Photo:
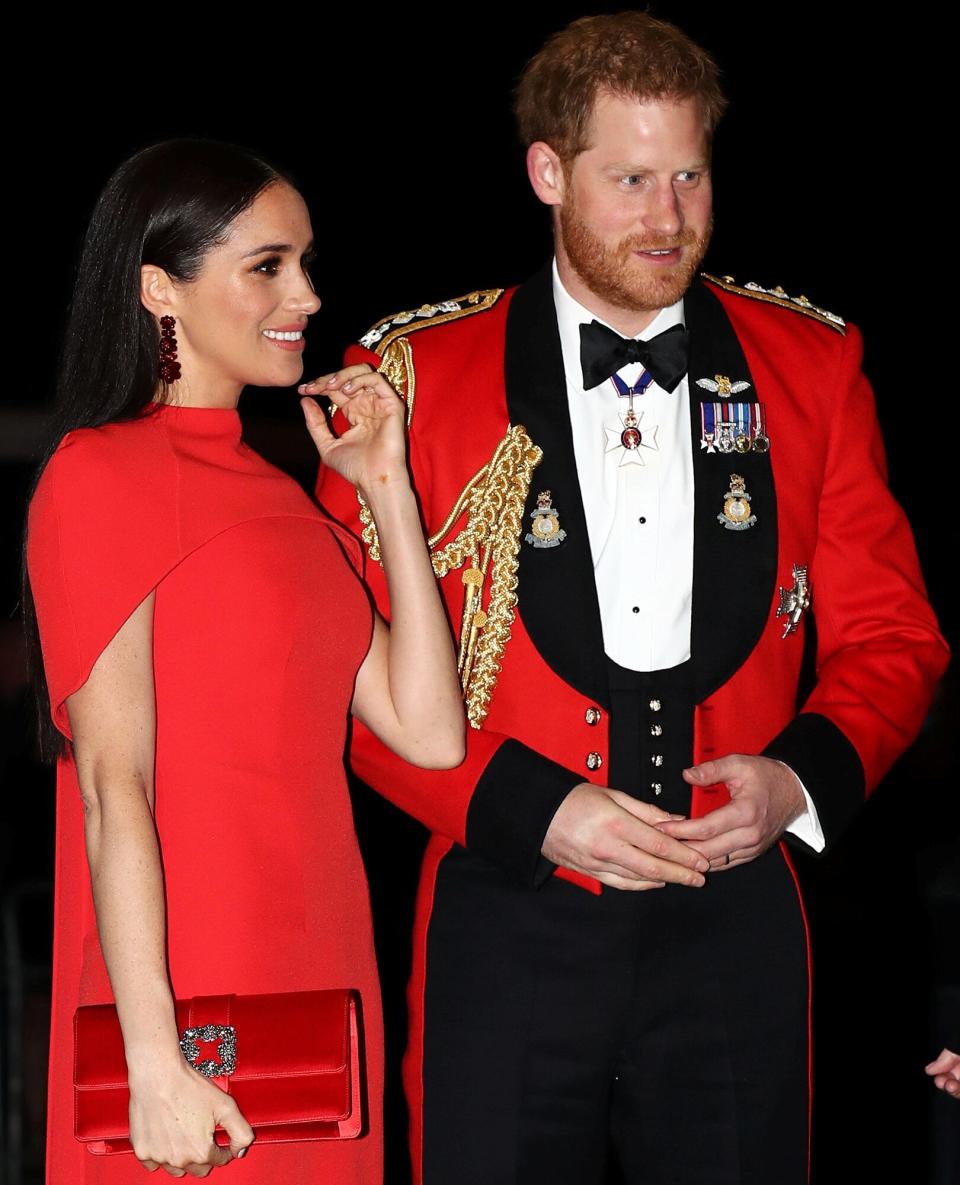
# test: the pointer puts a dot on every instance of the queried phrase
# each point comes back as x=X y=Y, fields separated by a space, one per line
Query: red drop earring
x=169 y=366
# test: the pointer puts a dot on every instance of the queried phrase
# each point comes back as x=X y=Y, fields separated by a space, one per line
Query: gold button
x=594 y=761
x=593 y=715
x=656 y=730
x=655 y=705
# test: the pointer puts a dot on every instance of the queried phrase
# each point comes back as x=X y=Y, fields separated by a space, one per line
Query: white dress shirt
x=639 y=515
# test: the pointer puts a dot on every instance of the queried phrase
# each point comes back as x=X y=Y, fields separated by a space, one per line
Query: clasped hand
x=765 y=798
x=371 y=453
x=634 y=845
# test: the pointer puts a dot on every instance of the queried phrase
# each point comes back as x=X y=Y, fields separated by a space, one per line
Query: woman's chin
x=278 y=376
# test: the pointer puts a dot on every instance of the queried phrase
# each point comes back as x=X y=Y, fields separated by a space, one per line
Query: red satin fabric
x=296 y=1075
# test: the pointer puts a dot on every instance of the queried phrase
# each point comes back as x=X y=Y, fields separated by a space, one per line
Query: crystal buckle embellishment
x=226 y=1038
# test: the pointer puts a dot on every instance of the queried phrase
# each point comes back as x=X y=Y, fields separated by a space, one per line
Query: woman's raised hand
x=372 y=451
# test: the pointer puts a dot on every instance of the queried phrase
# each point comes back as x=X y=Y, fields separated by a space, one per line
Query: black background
x=831 y=177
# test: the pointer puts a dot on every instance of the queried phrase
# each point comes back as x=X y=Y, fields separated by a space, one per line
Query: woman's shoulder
x=116 y=448
x=106 y=478
x=104 y=463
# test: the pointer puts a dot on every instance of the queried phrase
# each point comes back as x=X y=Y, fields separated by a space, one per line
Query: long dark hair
x=168 y=205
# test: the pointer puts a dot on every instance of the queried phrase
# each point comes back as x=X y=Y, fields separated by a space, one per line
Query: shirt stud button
x=657 y=788
x=655 y=705
x=656 y=759
x=656 y=730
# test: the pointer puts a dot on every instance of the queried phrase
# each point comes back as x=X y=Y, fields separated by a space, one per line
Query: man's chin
x=654 y=293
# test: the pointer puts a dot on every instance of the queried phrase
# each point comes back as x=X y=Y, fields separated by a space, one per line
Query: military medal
x=630 y=438
x=545 y=531
x=736 y=515
x=794 y=602
x=733 y=427
x=708 y=426
x=741 y=418
x=761 y=442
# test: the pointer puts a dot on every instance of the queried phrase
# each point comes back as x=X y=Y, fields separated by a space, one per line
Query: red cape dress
x=261 y=622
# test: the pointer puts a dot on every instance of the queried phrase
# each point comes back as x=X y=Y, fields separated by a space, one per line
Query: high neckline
x=209 y=422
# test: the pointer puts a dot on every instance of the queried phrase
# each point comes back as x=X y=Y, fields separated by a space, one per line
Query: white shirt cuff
x=806 y=827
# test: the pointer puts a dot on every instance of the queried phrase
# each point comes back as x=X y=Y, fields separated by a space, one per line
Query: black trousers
x=658 y=1038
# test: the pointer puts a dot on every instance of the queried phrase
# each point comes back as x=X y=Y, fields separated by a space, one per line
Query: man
x=610 y=957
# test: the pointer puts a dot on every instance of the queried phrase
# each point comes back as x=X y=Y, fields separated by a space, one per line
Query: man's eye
x=688 y=177
x=632 y=180
x=268 y=267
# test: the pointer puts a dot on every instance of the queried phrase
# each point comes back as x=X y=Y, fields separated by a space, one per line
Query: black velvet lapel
x=733 y=571
x=557 y=592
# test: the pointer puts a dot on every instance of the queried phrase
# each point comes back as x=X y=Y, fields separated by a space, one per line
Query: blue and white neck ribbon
x=639 y=387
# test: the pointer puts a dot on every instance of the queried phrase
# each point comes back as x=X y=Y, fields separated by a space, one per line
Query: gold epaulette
x=390 y=337
x=400 y=324
x=798 y=304
x=487 y=548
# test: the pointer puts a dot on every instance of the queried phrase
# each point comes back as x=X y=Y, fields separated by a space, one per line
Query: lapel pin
x=545 y=530
x=721 y=385
x=795 y=601
x=737 y=515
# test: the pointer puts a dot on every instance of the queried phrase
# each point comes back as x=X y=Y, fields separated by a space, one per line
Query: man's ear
x=546 y=173
x=157 y=291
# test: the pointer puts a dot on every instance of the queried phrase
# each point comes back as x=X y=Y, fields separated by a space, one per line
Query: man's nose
x=663 y=214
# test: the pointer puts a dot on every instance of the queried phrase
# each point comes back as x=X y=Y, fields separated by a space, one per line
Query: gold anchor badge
x=545 y=530
x=736 y=515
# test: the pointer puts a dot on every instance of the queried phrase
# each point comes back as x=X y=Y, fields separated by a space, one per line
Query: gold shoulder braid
x=400 y=324
x=798 y=304
x=397 y=367
x=489 y=543
x=389 y=337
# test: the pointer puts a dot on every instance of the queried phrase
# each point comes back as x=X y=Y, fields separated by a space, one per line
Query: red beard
x=618 y=277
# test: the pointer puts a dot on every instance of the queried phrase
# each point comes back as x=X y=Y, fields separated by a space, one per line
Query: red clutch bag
x=290 y=1060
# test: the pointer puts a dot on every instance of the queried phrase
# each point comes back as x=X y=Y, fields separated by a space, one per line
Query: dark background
x=831 y=179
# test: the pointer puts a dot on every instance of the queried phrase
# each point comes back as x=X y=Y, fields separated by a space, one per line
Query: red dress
x=260 y=625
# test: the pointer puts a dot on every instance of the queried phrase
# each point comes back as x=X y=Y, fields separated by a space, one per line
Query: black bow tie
x=603 y=352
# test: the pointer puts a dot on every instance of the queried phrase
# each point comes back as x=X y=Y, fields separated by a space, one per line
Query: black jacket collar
x=733 y=572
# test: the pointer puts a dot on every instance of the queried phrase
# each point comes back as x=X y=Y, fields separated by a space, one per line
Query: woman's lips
x=286 y=337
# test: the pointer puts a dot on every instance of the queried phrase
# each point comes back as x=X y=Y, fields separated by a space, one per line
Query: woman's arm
x=173 y=1109
x=407 y=690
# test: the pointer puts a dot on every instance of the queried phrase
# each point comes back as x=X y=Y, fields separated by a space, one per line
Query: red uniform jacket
x=489 y=430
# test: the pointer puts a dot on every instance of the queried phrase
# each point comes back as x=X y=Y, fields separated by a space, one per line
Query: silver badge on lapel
x=545 y=531
x=736 y=514
x=721 y=385
x=794 y=602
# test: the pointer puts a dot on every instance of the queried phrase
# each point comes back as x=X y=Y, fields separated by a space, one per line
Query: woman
x=204 y=634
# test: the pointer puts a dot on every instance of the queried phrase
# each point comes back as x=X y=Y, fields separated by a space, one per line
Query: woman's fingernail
x=348 y=385
x=332 y=379
x=241 y=1154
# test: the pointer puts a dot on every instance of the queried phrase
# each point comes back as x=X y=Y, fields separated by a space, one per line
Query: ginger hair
x=629 y=54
